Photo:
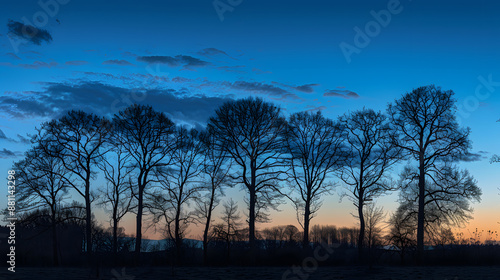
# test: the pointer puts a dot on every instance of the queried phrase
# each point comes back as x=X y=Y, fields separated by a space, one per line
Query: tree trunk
x=207 y=227
x=307 y=213
x=138 y=235
x=252 y=256
x=55 y=255
x=178 y=240
x=115 y=235
x=421 y=215
x=361 y=193
x=251 y=216
x=88 y=219
x=228 y=253
x=361 y=237
x=251 y=220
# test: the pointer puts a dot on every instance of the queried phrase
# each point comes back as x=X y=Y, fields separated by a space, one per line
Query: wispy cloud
x=2 y=135
x=13 y=56
x=186 y=61
x=260 y=71
x=259 y=88
x=120 y=62
x=23 y=139
x=233 y=69
x=102 y=99
x=307 y=88
x=20 y=138
x=4 y=153
x=313 y=109
x=347 y=94
x=76 y=62
x=209 y=52
x=38 y=65
x=471 y=157
x=28 y=32
x=33 y=55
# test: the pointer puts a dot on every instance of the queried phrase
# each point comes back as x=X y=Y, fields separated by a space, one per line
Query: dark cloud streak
x=104 y=99
x=256 y=87
x=347 y=94
x=4 y=154
x=209 y=52
x=76 y=62
x=119 y=62
x=28 y=32
x=308 y=88
x=188 y=62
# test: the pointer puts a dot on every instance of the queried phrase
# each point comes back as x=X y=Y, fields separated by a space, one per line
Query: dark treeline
x=171 y=177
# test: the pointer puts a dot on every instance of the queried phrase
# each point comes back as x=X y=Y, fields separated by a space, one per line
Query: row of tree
x=153 y=167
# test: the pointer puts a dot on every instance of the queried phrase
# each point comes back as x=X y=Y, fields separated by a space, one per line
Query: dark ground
x=229 y=273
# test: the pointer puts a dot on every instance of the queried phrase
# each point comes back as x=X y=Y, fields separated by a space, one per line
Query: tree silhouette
x=314 y=144
x=228 y=230
x=116 y=169
x=41 y=184
x=76 y=139
x=374 y=217
x=402 y=233
x=425 y=127
x=370 y=155
x=179 y=184
x=447 y=196
x=274 y=234
x=251 y=131
x=216 y=167
x=445 y=236
x=291 y=233
x=147 y=136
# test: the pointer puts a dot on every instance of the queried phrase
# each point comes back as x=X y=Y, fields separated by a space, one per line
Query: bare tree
x=275 y=234
x=179 y=183
x=147 y=136
x=216 y=166
x=374 y=216
x=251 y=131
x=447 y=196
x=41 y=183
x=116 y=169
x=314 y=144
x=228 y=230
x=444 y=237
x=370 y=155
x=76 y=140
x=324 y=234
x=291 y=233
x=425 y=127
x=402 y=233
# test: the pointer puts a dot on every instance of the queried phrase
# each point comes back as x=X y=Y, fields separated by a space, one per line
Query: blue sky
x=186 y=58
